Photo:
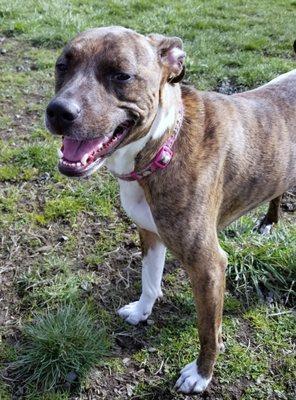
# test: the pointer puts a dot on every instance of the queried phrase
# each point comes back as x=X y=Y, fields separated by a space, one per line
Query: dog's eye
x=121 y=77
x=62 y=67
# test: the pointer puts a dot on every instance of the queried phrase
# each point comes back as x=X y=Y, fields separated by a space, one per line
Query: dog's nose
x=62 y=111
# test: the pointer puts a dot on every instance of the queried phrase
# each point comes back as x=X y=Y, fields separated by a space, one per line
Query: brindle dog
x=117 y=102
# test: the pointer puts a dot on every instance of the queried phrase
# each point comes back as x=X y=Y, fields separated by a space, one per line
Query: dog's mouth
x=83 y=157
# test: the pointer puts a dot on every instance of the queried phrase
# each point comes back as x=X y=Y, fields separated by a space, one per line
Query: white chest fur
x=135 y=205
x=122 y=161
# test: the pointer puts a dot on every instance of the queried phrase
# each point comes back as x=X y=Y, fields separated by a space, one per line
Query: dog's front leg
x=207 y=275
x=153 y=252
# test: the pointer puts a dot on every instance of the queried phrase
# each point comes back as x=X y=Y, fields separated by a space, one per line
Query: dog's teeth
x=84 y=159
x=78 y=164
x=60 y=153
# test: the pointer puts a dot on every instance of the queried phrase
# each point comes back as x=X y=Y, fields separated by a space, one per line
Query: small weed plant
x=59 y=349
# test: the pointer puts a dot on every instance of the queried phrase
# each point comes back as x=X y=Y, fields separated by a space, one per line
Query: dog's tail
x=294 y=46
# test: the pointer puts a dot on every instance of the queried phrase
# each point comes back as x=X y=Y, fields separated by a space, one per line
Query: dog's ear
x=171 y=55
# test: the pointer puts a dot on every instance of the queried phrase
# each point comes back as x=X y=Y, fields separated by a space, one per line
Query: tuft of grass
x=261 y=265
x=59 y=349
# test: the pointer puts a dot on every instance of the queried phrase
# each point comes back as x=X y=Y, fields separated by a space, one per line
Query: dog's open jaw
x=81 y=157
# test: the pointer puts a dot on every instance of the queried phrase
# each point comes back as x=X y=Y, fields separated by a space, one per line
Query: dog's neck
x=123 y=160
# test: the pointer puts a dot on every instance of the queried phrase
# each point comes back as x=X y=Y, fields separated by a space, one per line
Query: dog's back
x=258 y=143
x=272 y=108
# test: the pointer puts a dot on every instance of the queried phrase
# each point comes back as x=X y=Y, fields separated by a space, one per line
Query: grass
x=245 y=370
x=59 y=349
x=68 y=242
x=40 y=285
x=242 y=43
x=260 y=264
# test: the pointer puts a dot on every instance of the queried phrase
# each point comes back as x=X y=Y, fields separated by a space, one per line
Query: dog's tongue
x=74 y=150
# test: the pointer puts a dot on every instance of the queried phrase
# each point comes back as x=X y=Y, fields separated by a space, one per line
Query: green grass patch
x=40 y=156
x=27 y=162
x=273 y=328
x=9 y=200
x=97 y=197
x=248 y=33
x=52 y=281
x=65 y=207
x=14 y=173
x=59 y=350
x=259 y=352
x=264 y=265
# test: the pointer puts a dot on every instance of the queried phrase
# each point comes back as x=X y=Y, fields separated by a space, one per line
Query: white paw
x=191 y=381
x=134 y=313
x=222 y=347
x=265 y=229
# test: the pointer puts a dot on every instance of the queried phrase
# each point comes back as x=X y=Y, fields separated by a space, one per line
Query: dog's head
x=109 y=83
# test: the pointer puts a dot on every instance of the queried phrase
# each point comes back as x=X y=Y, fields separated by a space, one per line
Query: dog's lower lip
x=102 y=148
x=78 y=171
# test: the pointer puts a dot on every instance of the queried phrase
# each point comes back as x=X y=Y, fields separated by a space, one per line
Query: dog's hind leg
x=271 y=217
x=207 y=275
x=153 y=252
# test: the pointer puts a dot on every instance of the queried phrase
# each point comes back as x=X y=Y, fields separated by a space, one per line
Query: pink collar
x=162 y=158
